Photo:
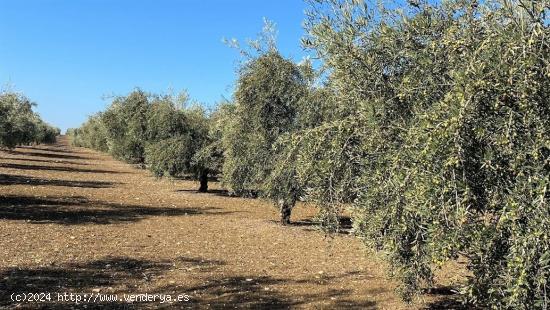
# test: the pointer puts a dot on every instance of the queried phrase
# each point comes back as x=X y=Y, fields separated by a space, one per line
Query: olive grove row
x=19 y=124
x=430 y=123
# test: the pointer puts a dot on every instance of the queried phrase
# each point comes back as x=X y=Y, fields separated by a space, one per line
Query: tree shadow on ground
x=119 y=275
x=81 y=211
x=53 y=161
x=56 y=168
x=262 y=293
x=448 y=303
x=105 y=272
x=109 y=276
x=40 y=154
x=6 y=179
x=345 y=224
x=447 y=298
x=225 y=193
x=211 y=192
x=193 y=177
x=50 y=148
x=238 y=292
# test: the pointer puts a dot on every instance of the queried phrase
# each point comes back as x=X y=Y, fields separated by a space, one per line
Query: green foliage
x=268 y=92
x=286 y=183
x=431 y=122
x=46 y=133
x=164 y=119
x=211 y=155
x=171 y=156
x=439 y=135
x=157 y=132
x=126 y=126
x=176 y=136
x=92 y=134
x=19 y=124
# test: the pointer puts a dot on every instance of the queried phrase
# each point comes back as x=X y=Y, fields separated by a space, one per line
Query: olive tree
x=440 y=137
x=175 y=136
x=92 y=134
x=283 y=184
x=125 y=122
x=158 y=132
x=210 y=156
x=268 y=92
x=19 y=124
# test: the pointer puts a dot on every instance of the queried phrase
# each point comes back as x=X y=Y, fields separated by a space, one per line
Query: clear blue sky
x=66 y=54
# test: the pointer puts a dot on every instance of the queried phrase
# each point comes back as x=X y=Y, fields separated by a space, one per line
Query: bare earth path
x=74 y=220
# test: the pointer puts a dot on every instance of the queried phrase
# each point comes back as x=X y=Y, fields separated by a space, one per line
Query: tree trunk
x=286 y=209
x=203 y=178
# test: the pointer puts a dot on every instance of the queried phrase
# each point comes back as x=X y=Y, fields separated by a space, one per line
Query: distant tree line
x=159 y=132
x=20 y=125
x=430 y=123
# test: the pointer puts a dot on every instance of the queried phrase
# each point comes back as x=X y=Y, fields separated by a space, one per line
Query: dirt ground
x=75 y=220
